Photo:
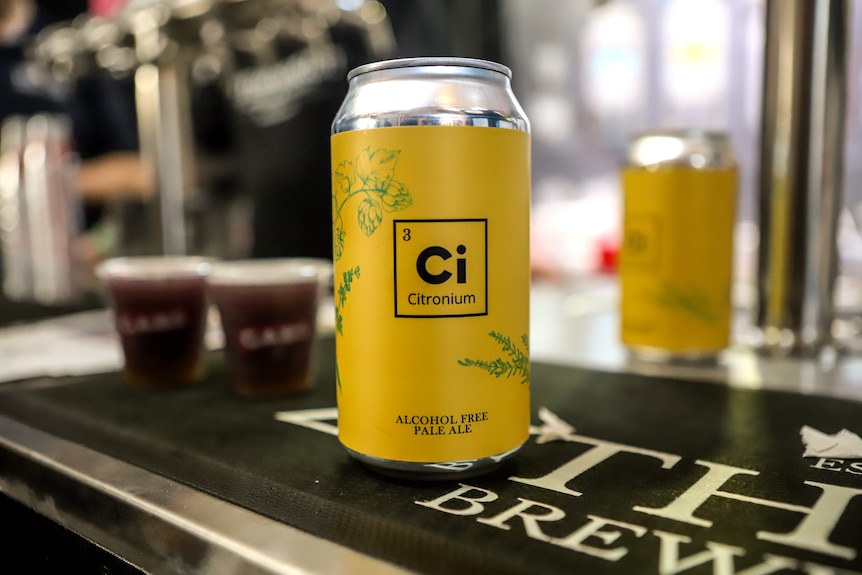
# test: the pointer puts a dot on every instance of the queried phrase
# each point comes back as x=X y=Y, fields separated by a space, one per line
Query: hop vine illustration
x=516 y=365
x=372 y=177
x=343 y=289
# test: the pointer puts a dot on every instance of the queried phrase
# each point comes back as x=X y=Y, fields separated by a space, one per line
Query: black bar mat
x=657 y=476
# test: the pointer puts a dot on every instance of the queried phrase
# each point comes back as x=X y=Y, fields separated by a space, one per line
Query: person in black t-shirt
x=281 y=102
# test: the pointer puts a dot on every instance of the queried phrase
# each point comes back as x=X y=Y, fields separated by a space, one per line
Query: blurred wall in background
x=591 y=73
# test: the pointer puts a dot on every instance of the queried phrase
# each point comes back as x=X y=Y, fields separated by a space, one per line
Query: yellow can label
x=432 y=279
x=676 y=258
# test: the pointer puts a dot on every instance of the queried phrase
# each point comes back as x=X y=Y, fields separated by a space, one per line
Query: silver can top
x=430 y=92
x=685 y=148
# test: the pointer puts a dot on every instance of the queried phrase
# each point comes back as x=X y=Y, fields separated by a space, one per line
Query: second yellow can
x=676 y=261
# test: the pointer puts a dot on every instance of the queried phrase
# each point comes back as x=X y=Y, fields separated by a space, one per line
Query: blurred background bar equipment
x=801 y=172
x=134 y=42
x=170 y=48
x=166 y=41
x=40 y=210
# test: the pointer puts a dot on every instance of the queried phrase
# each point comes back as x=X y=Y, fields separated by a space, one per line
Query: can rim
x=698 y=148
x=154 y=267
x=690 y=134
x=430 y=61
x=268 y=271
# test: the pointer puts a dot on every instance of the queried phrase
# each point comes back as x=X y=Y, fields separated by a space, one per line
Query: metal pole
x=801 y=167
x=161 y=95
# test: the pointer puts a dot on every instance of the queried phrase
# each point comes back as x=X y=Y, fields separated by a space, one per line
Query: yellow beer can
x=676 y=259
x=431 y=217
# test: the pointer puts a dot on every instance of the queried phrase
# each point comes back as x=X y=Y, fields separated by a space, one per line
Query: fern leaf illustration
x=517 y=364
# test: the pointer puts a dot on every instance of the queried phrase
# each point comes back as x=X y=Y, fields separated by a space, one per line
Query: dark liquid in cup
x=161 y=326
x=269 y=335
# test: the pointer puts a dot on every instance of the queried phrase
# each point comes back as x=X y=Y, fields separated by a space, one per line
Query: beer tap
x=165 y=37
x=166 y=46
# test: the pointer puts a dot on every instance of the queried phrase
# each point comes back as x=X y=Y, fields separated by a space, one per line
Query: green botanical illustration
x=692 y=301
x=370 y=177
x=516 y=365
x=347 y=279
x=344 y=289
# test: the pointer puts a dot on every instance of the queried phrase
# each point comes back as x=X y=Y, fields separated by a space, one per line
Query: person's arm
x=114 y=175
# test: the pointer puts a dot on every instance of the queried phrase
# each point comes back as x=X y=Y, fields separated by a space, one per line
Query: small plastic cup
x=268 y=310
x=159 y=305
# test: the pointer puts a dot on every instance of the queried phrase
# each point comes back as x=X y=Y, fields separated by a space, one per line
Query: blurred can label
x=677 y=253
x=432 y=282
